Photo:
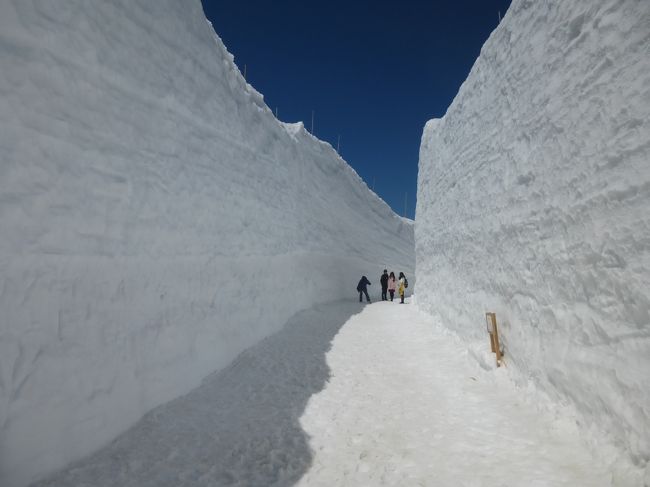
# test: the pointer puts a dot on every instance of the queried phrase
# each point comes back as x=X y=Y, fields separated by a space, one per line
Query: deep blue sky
x=373 y=71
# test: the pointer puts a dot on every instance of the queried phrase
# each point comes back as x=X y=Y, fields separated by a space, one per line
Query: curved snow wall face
x=533 y=202
x=155 y=218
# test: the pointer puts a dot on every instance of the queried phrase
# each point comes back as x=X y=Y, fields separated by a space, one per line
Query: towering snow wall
x=534 y=202
x=155 y=220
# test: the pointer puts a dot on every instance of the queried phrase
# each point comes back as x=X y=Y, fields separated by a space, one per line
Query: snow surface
x=155 y=220
x=533 y=202
x=347 y=395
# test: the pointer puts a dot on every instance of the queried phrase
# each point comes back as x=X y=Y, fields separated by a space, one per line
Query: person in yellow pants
x=402 y=286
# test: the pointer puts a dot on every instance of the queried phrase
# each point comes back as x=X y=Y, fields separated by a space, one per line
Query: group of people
x=388 y=286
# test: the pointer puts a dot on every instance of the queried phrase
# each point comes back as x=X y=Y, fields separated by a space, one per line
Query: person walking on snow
x=392 y=285
x=384 y=285
x=361 y=287
x=403 y=284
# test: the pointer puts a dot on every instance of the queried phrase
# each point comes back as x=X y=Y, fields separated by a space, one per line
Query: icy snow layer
x=534 y=202
x=155 y=220
x=349 y=396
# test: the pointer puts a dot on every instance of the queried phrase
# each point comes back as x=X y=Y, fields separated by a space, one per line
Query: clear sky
x=372 y=71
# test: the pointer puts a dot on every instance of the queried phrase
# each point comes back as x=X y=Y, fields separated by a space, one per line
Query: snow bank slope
x=533 y=201
x=155 y=220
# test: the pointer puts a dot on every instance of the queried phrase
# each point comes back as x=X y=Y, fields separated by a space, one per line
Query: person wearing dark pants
x=384 y=285
x=392 y=285
x=363 y=289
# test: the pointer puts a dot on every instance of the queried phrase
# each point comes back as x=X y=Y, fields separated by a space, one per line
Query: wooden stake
x=496 y=342
x=493 y=330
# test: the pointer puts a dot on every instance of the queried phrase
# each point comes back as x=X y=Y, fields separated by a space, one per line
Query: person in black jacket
x=384 y=285
x=361 y=287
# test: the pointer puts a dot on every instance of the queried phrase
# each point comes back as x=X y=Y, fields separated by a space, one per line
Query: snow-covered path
x=346 y=395
x=405 y=405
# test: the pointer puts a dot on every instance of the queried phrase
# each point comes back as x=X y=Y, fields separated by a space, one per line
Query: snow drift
x=155 y=220
x=533 y=199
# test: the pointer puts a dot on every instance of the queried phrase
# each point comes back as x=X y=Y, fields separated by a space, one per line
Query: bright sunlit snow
x=156 y=221
x=534 y=203
x=347 y=395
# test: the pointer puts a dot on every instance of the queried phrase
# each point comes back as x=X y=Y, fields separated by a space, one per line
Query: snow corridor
x=347 y=394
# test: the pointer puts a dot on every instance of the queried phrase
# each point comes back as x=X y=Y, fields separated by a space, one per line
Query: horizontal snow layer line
x=26 y=259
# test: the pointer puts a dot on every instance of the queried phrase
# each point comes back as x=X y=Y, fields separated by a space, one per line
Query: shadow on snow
x=240 y=427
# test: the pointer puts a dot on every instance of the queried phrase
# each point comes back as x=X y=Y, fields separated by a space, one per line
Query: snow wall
x=155 y=220
x=534 y=202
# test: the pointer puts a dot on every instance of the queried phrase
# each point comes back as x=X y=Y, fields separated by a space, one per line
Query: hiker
x=392 y=285
x=361 y=287
x=403 y=284
x=384 y=285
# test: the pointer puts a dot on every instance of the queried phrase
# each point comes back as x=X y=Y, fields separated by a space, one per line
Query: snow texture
x=155 y=220
x=349 y=396
x=533 y=199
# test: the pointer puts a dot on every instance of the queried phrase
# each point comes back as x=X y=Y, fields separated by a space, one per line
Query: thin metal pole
x=338 y=145
x=312 y=122
x=405 y=195
x=276 y=112
x=499 y=16
x=244 y=71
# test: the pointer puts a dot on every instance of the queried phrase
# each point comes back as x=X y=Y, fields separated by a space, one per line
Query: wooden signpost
x=492 y=329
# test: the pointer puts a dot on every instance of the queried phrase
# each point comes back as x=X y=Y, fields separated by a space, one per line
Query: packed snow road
x=352 y=395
